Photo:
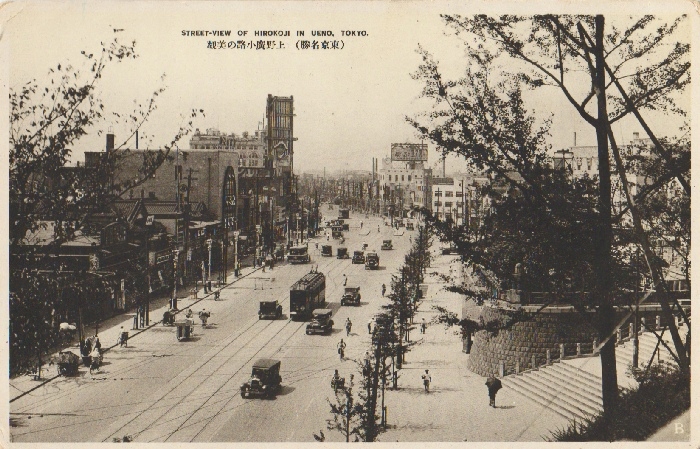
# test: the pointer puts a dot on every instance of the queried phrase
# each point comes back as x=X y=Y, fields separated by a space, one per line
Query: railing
x=583 y=349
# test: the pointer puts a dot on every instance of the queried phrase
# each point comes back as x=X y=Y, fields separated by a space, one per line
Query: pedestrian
x=426 y=381
x=97 y=343
x=348 y=326
x=361 y=224
x=341 y=349
x=493 y=386
x=345 y=280
x=423 y=325
x=369 y=326
x=123 y=338
x=378 y=228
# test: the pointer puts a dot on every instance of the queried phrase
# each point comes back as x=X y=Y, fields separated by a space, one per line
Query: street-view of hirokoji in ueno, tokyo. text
x=260 y=39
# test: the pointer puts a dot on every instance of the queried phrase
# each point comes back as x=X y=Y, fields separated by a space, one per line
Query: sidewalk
x=109 y=331
x=456 y=409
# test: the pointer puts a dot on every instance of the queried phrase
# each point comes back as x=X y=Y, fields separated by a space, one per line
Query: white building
x=404 y=179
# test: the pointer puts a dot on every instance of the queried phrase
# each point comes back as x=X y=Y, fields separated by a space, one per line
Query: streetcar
x=307 y=294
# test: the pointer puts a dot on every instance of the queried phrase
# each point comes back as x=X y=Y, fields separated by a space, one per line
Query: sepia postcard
x=302 y=222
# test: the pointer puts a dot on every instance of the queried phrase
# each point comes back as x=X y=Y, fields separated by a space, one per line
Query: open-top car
x=386 y=244
x=264 y=380
x=351 y=297
x=321 y=322
x=326 y=250
x=358 y=257
x=371 y=261
x=270 y=310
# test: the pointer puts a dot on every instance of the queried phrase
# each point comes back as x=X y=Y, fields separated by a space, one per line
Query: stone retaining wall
x=533 y=336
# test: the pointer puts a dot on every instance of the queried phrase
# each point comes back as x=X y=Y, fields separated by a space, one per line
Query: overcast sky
x=350 y=104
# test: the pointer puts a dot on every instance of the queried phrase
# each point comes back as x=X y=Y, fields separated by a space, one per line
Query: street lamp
x=209 y=244
x=236 y=233
x=176 y=255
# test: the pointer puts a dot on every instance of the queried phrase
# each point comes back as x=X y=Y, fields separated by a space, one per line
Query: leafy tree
x=47 y=119
x=482 y=117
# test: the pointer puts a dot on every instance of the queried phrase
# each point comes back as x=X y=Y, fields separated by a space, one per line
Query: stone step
x=578 y=374
x=556 y=408
x=571 y=389
x=584 y=388
x=556 y=402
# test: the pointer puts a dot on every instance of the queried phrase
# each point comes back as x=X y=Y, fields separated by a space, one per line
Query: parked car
x=343 y=253
x=327 y=250
x=351 y=297
x=358 y=257
x=264 y=380
x=386 y=244
x=270 y=310
x=371 y=261
x=321 y=322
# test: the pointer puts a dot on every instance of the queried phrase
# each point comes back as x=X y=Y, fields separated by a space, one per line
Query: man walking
x=426 y=381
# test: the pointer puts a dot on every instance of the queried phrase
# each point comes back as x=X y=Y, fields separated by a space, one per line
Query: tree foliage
x=563 y=230
x=48 y=118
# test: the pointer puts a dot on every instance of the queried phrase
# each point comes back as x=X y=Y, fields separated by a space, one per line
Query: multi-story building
x=404 y=179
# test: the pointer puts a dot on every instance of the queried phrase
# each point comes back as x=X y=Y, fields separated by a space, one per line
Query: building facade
x=404 y=179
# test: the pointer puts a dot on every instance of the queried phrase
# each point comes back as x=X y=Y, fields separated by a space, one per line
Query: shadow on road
x=285 y=390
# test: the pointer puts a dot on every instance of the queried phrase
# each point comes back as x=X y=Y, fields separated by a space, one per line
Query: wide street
x=159 y=389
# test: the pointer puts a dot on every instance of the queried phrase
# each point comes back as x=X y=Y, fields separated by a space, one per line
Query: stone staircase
x=647 y=343
x=575 y=393
x=566 y=390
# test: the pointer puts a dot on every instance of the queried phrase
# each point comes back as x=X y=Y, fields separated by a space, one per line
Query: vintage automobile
x=371 y=261
x=343 y=253
x=409 y=226
x=358 y=257
x=321 y=322
x=270 y=310
x=264 y=380
x=298 y=254
x=343 y=213
x=337 y=232
x=386 y=244
x=346 y=226
x=351 y=297
x=326 y=250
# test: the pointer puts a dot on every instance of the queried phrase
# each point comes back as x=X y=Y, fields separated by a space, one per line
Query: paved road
x=159 y=390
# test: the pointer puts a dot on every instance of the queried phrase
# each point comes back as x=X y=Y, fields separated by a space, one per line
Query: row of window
x=448 y=203
x=396 y=177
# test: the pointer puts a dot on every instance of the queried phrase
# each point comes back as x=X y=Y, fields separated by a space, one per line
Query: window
x=402 y=177
x=448 y=204
x=438 y=203
x=449 y=193
x=409 y=178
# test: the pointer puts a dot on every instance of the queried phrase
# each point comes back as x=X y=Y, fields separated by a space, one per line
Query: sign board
x=149 y=220
x=409 y=151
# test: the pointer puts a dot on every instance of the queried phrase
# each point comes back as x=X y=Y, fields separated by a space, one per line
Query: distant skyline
x=350 y=104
